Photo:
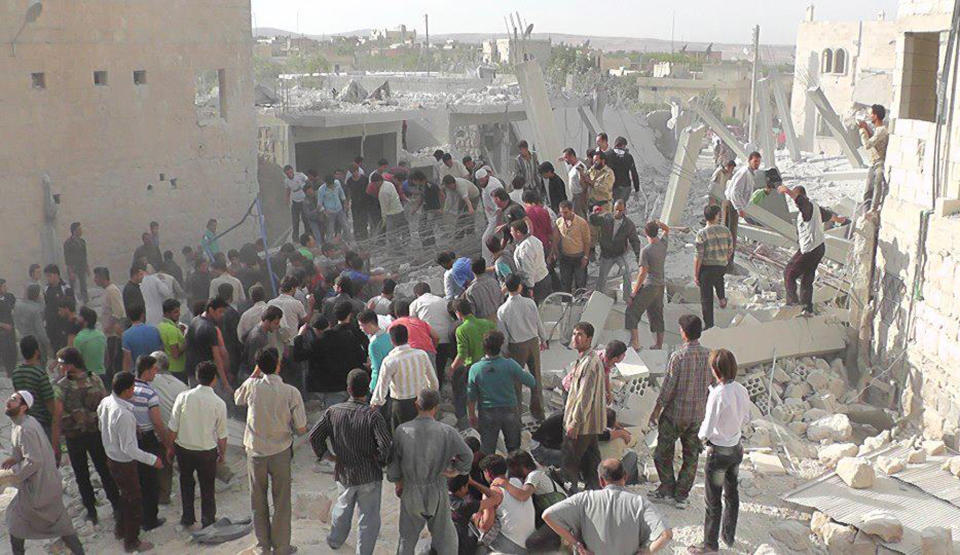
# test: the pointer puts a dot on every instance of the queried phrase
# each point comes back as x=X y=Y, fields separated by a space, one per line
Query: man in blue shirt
x=334 y=203
x=494 y=383
x=140 y=339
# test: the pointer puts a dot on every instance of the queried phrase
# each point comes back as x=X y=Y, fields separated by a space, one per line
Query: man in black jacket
x=617 y=231
x=624 y=170
x=56 y=291
x=332 y=354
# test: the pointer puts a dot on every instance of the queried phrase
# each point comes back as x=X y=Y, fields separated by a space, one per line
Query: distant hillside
x=770 y=53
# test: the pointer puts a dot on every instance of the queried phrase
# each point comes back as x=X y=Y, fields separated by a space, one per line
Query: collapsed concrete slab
x=539 y=113
x=644 y=363
x=682 y=173
x=768 y=147
x=595 y=312
x=799 y=337
x=832 y=120
x=786 y=120
x=838 y=248
x=717 y=126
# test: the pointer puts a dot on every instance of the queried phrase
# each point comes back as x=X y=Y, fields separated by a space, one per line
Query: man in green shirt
x=469 y=336
x=172 y=337
x=30 y=376
x=92 y=344
x=493 y=383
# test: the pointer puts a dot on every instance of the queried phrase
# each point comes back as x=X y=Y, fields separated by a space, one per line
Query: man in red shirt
x=420 y=334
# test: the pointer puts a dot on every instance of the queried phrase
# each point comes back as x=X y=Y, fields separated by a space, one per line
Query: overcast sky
x=696 y=20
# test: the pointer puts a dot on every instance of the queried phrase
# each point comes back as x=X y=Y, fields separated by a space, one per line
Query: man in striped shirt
x=714 y=252
x=362 y=441
x=152 y=436
x=404 y=373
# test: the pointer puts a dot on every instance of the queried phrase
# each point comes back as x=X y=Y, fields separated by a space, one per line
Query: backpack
x=544 y=501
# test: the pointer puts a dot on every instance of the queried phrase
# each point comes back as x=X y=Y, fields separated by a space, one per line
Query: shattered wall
x=125 y=146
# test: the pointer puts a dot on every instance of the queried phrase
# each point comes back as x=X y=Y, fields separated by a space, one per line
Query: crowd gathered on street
x=256 y=333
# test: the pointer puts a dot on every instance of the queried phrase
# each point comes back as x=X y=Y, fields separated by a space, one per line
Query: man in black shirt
x=203 y=340
x=555 y=186
x=228 y=329
x=148 y=253
x=624 y=170
x=75 y=255
x=344 y=347
x=429 y=206
x=360 y=201
x=132 y=296
x=198 y=284
x=507 y=213
x=56 y=290
x=8 y=338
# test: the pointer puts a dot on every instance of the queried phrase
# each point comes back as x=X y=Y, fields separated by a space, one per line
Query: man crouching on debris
x=804 y=263
x=679 y=412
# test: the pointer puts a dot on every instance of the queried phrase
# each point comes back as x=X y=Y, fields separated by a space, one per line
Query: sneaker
x=806 y=313
x=681 y=503
x=729 y=543
x=659 y=496
x=702 y=549
x=160 y=522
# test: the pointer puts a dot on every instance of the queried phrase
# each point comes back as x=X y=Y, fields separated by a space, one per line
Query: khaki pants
x=528 y=354
x=274 y=472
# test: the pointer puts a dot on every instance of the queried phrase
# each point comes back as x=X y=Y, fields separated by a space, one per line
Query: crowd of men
x=377 y=362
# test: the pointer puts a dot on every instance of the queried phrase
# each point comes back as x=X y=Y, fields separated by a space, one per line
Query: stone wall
x=122 y=153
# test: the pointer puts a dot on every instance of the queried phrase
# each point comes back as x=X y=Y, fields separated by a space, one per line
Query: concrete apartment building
x=134 y=111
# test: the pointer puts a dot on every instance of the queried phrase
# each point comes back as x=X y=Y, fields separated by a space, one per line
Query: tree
x=311 y=63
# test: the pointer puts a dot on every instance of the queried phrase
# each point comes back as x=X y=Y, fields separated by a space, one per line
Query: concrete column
x=681 y=174
x=720 y=129
x=764 y=125
x=783 y=110
x=864 y=262
x=830 y=117
x=539 y=113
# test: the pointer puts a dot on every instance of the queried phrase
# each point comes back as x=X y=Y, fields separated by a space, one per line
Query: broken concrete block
x=831 y=454
x=767 y=464
x=836 y=428
x=797 y=390
x=765 y=549
x=826 y=402
x=862 y=413
x=814 y=414
x=864 y=544
x=883 y=524
x=681 y=177
x=875 y=442
x=311 y=506
x=636 y=409
x=761 y=437
x=817 y=521
x=952 y=465
x=819 y=381
x=779 y=376
x=890 y=465
x=838 y=537
x=793 y=535
x=934 y=447
x=838 y=387
x=917 y=456
x=785 y=338
x=936 y=540
x=798 y=428
x=595 y=312
x=856 y=472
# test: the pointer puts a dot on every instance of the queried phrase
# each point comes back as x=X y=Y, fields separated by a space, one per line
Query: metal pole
x=752 y=129
x=426 y=24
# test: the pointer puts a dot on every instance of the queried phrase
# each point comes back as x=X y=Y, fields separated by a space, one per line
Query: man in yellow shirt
x=574 y=251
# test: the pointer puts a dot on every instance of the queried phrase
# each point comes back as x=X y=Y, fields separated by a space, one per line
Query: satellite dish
x=33 y=11
x=528 y=31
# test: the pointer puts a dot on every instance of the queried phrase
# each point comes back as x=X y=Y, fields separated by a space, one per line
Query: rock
x=838 y=537
x=819 y=381
x=836 y=427
x=814 y=414
x=767 y=464
x=780 y=376
x=798 y=428
x=890 y=465
x=798 y=390
x=838 y=387
x=883 y=524
x=311 y=506
x=934 y=448
x=817 y=522
x=781 y=414
x=765 y=549
x=864 y=544
x=856 y=472
x=952 y=465
x=917 y=456
x=760 y=437
x=875 y=442
x=821 y=364
x=826 y=402
x=793 y=535
x=936 y=540
x=831 y=454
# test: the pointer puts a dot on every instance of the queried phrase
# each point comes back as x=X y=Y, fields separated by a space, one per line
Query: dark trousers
x=8 y=351
x=804 y=267
x=149 y=478
x=668 y=432
x=130 y=516
x=78 y=449
x=402 y=410
x=446 y=352
x=581 y=455
x=296 y=216
x=731 y=219
x=18 y=545
x=492 y=421
x=204 y=463
x=113 y=357
x=542 y=289
x=543 y=540
x=459 y=385
x=79 y=275
x=573 y=275
x=711 y=280
x=720 y=477
x=359 y=213
x=528 y=354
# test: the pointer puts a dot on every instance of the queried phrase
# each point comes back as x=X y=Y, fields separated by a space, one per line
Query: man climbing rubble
x=803 y=264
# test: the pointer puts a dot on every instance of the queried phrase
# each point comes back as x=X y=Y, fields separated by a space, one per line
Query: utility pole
x=673 y=27
x=752 y=128
x=426 y=24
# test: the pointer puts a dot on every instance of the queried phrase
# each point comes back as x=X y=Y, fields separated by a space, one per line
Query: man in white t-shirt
x=460 y=200
x=577 y=192
x=517 y=518
x=432 y=309
x=293 y=183
x=488 y=184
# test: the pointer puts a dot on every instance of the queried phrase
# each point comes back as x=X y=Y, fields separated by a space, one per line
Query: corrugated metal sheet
x=919 y=497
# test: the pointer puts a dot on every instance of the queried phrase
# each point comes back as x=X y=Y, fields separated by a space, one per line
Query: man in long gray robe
x=423 y=451
x=37 y=511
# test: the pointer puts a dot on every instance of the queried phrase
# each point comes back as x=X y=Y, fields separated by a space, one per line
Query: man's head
x=478 y=266
x=501 y=198
x=225 y=292
x=570 y=156
x=494 y=244
x=70 y=361
x=18 y=403
x=343 y=311
x=307 y=240
x=482 y=177
x=724 y=365
x=101 y=276
x=619 y=209
x=519 y=230
x=566 y=211
x=620 y=142
x=492 y=343
x=730 y=166
x=163 y=361
x=388 y=288
x=33 y=292
x=171 y=309
x=463 y=308
x=358 y=383
x=400 y=308
x=711 y=213
x=877 y=114
x=271 y=318
x=369 y=322
x=76 y=230
x=418 y=178
x=514 y=284
x=212 y=225
x=30 y=348
x=582 y=336
x=34 y=272
x=493 y=466
x=207 y=373
x=357 y=161
x=146 y=238
x=154 y=227
x=147 y=368
x=773 y=179
x=520 y=463
x=449 y=182
x=547 y=170
x=615 y=351
x=215 y=309
x=530 y=197
x=611 y=472
x=268 y=360
x=66 y=307
x=690 y=327
x=289 y=284
x=137 y=271
x=753 y=161
x=383 y=164
x=399 y=335
x=599 y=159
x=446 y=259
x=602 y=142
x=447 y=159
x=257 y=293
x=288 y=171
x=122 y=385
x=427 y=402
x=135 y=312
x=421 y=289
x=459 y=485
x=468 y=163
x=89 y=317
x=52 y=273
x=524 y=148
x=651 y=230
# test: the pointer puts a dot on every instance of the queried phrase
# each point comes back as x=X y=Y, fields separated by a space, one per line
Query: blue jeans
x=367 y=498
x=494 y=420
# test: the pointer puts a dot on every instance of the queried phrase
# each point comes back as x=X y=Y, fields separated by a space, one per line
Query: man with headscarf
x=37 y=511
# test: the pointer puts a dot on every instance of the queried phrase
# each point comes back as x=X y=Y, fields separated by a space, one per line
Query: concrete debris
x=831 y=454
x=767 y=464
x=952 y=465
x=793 y=535
x=934 y=448
x=864 y=544
x=917 y=456
x=856 y=472
x=353 y=93
x=817 y=521
x=936 y=540
x=835 y=428
x=875 y=442
x=380 y=93
x=766 y=549
x=885 y=525
x=890 y=465
x=838 y=537
x=311 y=506
x=818 y=335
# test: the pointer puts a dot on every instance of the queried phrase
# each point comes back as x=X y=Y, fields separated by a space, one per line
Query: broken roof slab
x=797 y=337
x=339 y=119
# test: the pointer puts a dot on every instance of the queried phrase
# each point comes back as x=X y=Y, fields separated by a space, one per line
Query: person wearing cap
x=37 y=511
